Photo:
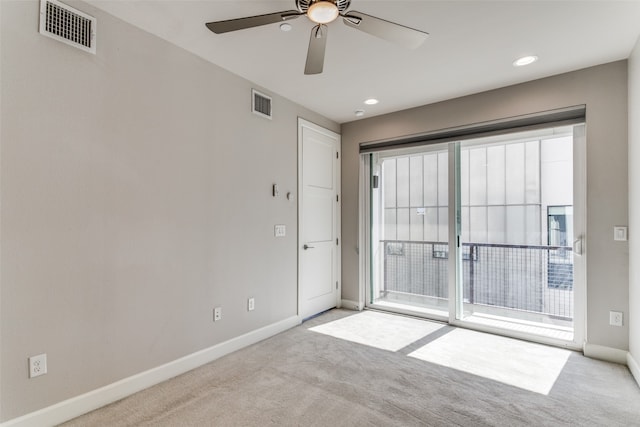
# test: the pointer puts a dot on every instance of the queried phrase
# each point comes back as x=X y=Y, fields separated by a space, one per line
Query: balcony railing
x=536 y=279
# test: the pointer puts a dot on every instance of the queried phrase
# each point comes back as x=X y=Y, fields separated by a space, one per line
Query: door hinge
x=337 y=198
x=337 y=155
x=336 y=285
x=337 y=242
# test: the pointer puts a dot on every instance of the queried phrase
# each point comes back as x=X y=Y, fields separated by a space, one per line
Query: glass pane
x=517 y=197
x=410 y=269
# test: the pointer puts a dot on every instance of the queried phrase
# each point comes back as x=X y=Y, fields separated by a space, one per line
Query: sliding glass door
x=512 y=242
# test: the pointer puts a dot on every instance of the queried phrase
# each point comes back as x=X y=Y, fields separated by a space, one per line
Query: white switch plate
x=280 y=230
x=620 y=233
x=251 y=304
x=615 y=318
x=37 y=365
x=217 y=314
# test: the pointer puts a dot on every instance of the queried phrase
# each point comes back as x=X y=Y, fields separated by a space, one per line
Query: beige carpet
x=376 y=369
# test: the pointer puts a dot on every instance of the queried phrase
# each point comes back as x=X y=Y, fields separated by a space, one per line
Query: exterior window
x=558 y=219
x=560 y=233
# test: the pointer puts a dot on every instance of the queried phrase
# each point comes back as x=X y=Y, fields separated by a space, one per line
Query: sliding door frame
x=455 y=305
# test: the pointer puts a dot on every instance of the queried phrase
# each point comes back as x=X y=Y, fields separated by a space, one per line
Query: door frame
x=302 y=123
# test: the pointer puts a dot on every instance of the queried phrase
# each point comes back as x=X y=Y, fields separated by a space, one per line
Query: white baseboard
x=608 y=354
x=76 y=406
x=352 y=305
x=633 y=367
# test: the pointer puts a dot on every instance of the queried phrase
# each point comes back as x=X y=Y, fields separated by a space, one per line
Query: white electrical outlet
x=217 y=314
x=615 y=318
x=37 y=365
x=251 y=304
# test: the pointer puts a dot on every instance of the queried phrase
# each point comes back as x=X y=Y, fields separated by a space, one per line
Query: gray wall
x=135 y=197
x=634 y=202
x=604 y=90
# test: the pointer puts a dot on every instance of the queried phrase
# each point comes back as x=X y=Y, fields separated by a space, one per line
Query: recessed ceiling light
x=525 y=60
x=285 y=27
x=359 y=113
x=371 y=101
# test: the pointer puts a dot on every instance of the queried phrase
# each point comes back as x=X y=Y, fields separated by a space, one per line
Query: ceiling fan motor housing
x=303 y=5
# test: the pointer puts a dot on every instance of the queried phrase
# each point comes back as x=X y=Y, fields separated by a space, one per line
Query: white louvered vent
x=68 y=25
x=261 y=104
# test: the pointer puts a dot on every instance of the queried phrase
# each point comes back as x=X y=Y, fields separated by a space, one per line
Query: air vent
x=261 y=104
x=68 y=25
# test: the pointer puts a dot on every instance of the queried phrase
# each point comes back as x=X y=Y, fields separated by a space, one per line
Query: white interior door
x=319 y=219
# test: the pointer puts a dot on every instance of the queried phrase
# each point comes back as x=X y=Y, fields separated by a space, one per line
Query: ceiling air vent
x=68 y=25
x=261 y=104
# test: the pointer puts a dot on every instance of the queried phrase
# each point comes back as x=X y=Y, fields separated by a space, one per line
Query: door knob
x=305 y=247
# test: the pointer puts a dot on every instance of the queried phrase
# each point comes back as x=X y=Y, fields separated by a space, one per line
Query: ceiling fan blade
x=315 y=54
x=220 y=27
x=387 y=30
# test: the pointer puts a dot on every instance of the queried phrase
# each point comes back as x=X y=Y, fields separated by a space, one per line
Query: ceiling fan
x=323 y=12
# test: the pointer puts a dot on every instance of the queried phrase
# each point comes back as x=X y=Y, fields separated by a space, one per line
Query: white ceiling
x=471 y=47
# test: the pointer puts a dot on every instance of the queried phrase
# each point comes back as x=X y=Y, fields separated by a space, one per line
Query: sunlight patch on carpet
x=379 y=330
x=533 y=367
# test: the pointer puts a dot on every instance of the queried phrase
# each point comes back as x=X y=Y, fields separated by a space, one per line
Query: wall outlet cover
x=37 y=365
x=615 y=318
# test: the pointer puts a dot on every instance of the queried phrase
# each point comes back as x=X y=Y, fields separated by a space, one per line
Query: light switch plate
x=280 y=230
x=620 y=233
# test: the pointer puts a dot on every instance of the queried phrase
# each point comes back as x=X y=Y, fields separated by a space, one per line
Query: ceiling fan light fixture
x=323 y=12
